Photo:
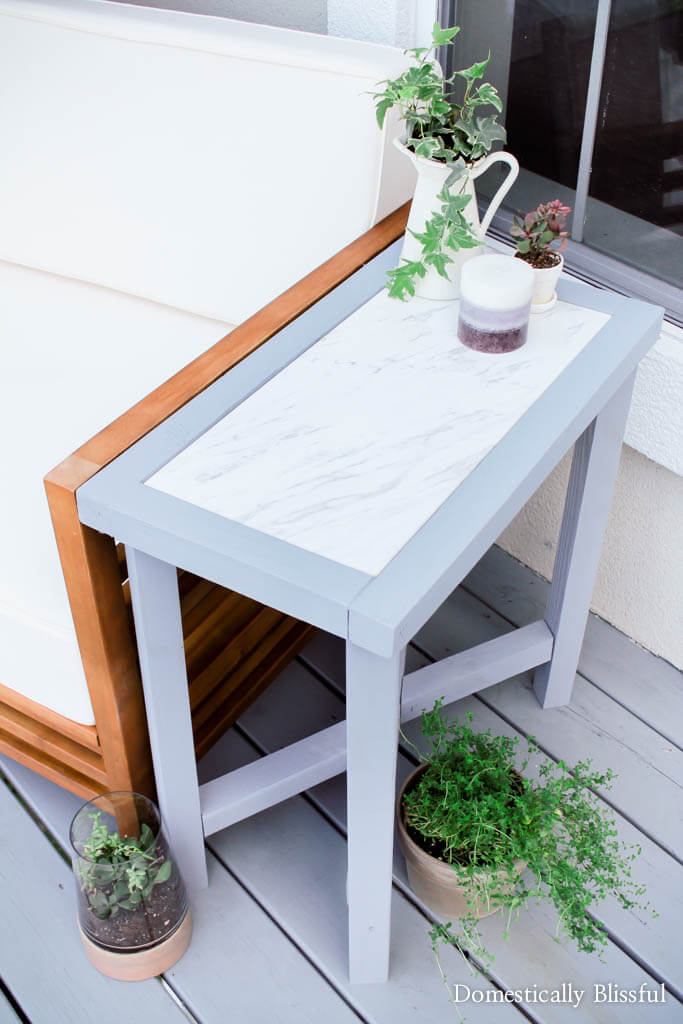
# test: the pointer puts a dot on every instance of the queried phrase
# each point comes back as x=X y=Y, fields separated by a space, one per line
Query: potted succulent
x=448 y=143
x=535 y=233
x=133 y=915
x=478 y=836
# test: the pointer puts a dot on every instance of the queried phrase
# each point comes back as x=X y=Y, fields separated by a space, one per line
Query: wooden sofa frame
x=234 y=647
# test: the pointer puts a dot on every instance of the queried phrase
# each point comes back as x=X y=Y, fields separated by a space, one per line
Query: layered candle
x=495 y=299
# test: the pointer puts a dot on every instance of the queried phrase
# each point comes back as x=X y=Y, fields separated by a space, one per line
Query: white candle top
x=497 y=282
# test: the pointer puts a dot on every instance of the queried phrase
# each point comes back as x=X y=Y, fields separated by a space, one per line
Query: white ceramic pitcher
x=431 y=177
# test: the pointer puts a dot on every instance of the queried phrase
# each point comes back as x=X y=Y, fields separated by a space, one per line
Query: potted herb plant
x=535 y=233
x=448 y=143
x=133 y=915
x=478 y=836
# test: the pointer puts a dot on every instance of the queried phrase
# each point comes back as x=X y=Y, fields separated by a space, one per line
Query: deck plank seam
x=175 y=996
x=402 y=887
x=516 y=625
x=317 y=967
x=7 y=993
x=261 y=751
x=56 y=843
x=620 y=944
x=604 y=797
x=36 y=818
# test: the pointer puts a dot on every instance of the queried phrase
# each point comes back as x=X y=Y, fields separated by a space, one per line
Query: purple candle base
x=499 y=341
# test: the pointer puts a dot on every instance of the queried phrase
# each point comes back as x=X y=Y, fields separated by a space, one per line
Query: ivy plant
x=448 y=228
x=474 y=810
x=120 y=872
x=456 y=134
x=436 y=127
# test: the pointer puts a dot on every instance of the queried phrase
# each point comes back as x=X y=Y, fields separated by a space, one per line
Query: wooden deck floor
x=269 y=944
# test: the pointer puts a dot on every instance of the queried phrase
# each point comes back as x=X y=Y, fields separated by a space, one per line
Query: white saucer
x=544 y=307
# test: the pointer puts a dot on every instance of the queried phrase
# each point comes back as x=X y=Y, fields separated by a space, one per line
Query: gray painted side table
x=351 y=472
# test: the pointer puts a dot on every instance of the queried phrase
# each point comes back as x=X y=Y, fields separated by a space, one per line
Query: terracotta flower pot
x=437 y=883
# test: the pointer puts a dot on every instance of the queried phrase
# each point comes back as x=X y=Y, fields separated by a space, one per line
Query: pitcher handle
x=505 y=158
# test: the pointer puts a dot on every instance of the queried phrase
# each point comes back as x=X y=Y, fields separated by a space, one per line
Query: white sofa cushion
x=165 y=158
x=74 y=356
x=196 y=161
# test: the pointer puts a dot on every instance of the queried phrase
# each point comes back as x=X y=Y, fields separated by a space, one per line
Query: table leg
x=159 y=631
x=373 y=687
x=589 y=493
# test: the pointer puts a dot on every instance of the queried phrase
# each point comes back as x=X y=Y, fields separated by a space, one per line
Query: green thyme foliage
x=120 y=873
x=472 y=808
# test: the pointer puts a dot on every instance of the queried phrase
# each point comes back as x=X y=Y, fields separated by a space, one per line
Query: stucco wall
x=638 y=587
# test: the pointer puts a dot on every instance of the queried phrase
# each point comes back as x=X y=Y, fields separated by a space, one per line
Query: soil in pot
x=542 y=261
x=153 y=920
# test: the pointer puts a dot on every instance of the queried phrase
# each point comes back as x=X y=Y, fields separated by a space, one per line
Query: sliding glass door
x=593 y=93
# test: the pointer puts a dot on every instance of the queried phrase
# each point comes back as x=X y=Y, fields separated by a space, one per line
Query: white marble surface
x=352 y=447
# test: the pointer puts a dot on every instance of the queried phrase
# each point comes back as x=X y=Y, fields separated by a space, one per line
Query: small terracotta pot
x=144 y=964
x=435 y=882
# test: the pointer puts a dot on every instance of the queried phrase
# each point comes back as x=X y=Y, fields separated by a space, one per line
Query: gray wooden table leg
x=589 y=493
x=158 y=625
x=373 y=686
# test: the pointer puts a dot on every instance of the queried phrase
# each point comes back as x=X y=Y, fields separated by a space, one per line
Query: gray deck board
x=592 y=725
x=294 y=862
x=648 y=686
x=654 y=942
x=235 y=945
x=41 y=957
x=270 y=932
x=8 y=1014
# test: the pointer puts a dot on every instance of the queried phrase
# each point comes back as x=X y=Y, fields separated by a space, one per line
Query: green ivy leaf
x=383 y=107
x=439 y=260
x=487 y=93
x=427 y=147
x=482 y=132
x=439 y=107
x=476 y=71
x=163 y=874
x=443 y=36
x=417 y=52
x=454 y=205
x=459 y=168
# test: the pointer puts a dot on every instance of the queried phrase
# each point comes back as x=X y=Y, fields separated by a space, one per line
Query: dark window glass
x=550 y=63
x=540 y=64
x=638 y=154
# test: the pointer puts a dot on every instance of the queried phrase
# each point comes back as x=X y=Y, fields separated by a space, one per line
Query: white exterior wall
x=401 y=23
x=638 y=587
x=304 y=15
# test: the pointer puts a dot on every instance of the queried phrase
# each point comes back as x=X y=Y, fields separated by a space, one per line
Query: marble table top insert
x=354 y=445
